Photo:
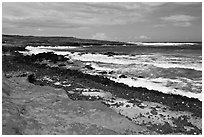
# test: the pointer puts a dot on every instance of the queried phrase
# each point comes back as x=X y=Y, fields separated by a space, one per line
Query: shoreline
x=140 y=90
x=136 y=98
x=172 y=100
x=138 y=81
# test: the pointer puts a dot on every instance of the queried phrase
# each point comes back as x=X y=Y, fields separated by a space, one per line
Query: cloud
x=70 y=15
x=182 y=24
x=176 y=18
x=100 y=36
x=154 y=4
x=186 y=3
x=159 y=25
x=142 y=37
x=180 y=20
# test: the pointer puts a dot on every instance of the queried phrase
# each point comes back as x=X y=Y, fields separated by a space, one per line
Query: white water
x=121 y=59
x=155 y=86
x=161 y=43
x=130 y=65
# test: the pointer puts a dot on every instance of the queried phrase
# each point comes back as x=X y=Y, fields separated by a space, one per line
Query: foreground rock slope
x=32 y=109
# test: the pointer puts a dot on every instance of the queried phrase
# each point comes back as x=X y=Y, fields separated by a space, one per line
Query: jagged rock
x=102 y=72
x=89 y=67
x=111 y=72
x=49 y=56
x=110 y=54
x=122 y=76
x=31 y=78
x=62 y=64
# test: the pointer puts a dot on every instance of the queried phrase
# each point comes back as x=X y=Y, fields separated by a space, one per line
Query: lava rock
x=122 y=76
x=89 y=67
x=111 y=72
x=62 y=64
x=103 y=72
x=109 y=54
x=31 y=78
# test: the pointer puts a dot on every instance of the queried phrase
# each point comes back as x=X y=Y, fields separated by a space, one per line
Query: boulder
x=103 y=72
x=122 y=76
x=31 y=78
x=89 y=67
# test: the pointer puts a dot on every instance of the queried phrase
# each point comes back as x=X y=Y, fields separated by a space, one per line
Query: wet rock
x=122 y=76
x=111 y=72
x=109 y=54
x=31 y=78
x=49 y=56
x=82 y=53
x=103 y=72
x=89 y=67
x=127 y=105
x=61 y=65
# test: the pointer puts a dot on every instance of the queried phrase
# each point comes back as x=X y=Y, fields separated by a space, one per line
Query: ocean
x=171 y=68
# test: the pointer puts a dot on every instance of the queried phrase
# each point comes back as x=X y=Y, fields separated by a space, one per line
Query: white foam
x=41 y=49
x=165 y=44
x=36 y=50
x=64 y=53
x=165 y=80
x=57 y=47
x=139 y=59
x=47 y=78
x=87 y=46
x=96 y=94
x=57 y=83
x=97 y=67
x=161 y=61
x=171 y=65
x=101 y=58
x=123 y=61
x=155 y=86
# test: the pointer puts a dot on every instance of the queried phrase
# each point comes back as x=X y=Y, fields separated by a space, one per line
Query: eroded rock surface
x=31 y=109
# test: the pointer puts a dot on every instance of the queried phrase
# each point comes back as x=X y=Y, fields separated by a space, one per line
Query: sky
x=120 y=21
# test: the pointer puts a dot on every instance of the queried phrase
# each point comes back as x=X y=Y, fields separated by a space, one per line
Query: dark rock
x=31 y=78
x=111 y=72
x=62 y=64
x=82 y=53
x=23 y=74
x=110 y=54
x=140 y=77
x=89 y=67
x=102 y=72
x=122 y=76
x=49 y=56
x=127 y=105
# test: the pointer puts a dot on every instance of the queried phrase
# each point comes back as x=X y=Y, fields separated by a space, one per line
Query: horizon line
x=102 y=40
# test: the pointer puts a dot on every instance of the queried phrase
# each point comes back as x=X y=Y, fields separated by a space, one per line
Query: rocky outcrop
x=122 y=76
x=31 y=109
x=110 y=54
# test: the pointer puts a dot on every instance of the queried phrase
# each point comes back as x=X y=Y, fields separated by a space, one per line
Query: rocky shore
x=48 y=94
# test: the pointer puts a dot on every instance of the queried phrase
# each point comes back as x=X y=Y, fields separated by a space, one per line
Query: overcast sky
x=110 y=21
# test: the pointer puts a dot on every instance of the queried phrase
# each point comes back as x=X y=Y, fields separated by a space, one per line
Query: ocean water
x=171 y=68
